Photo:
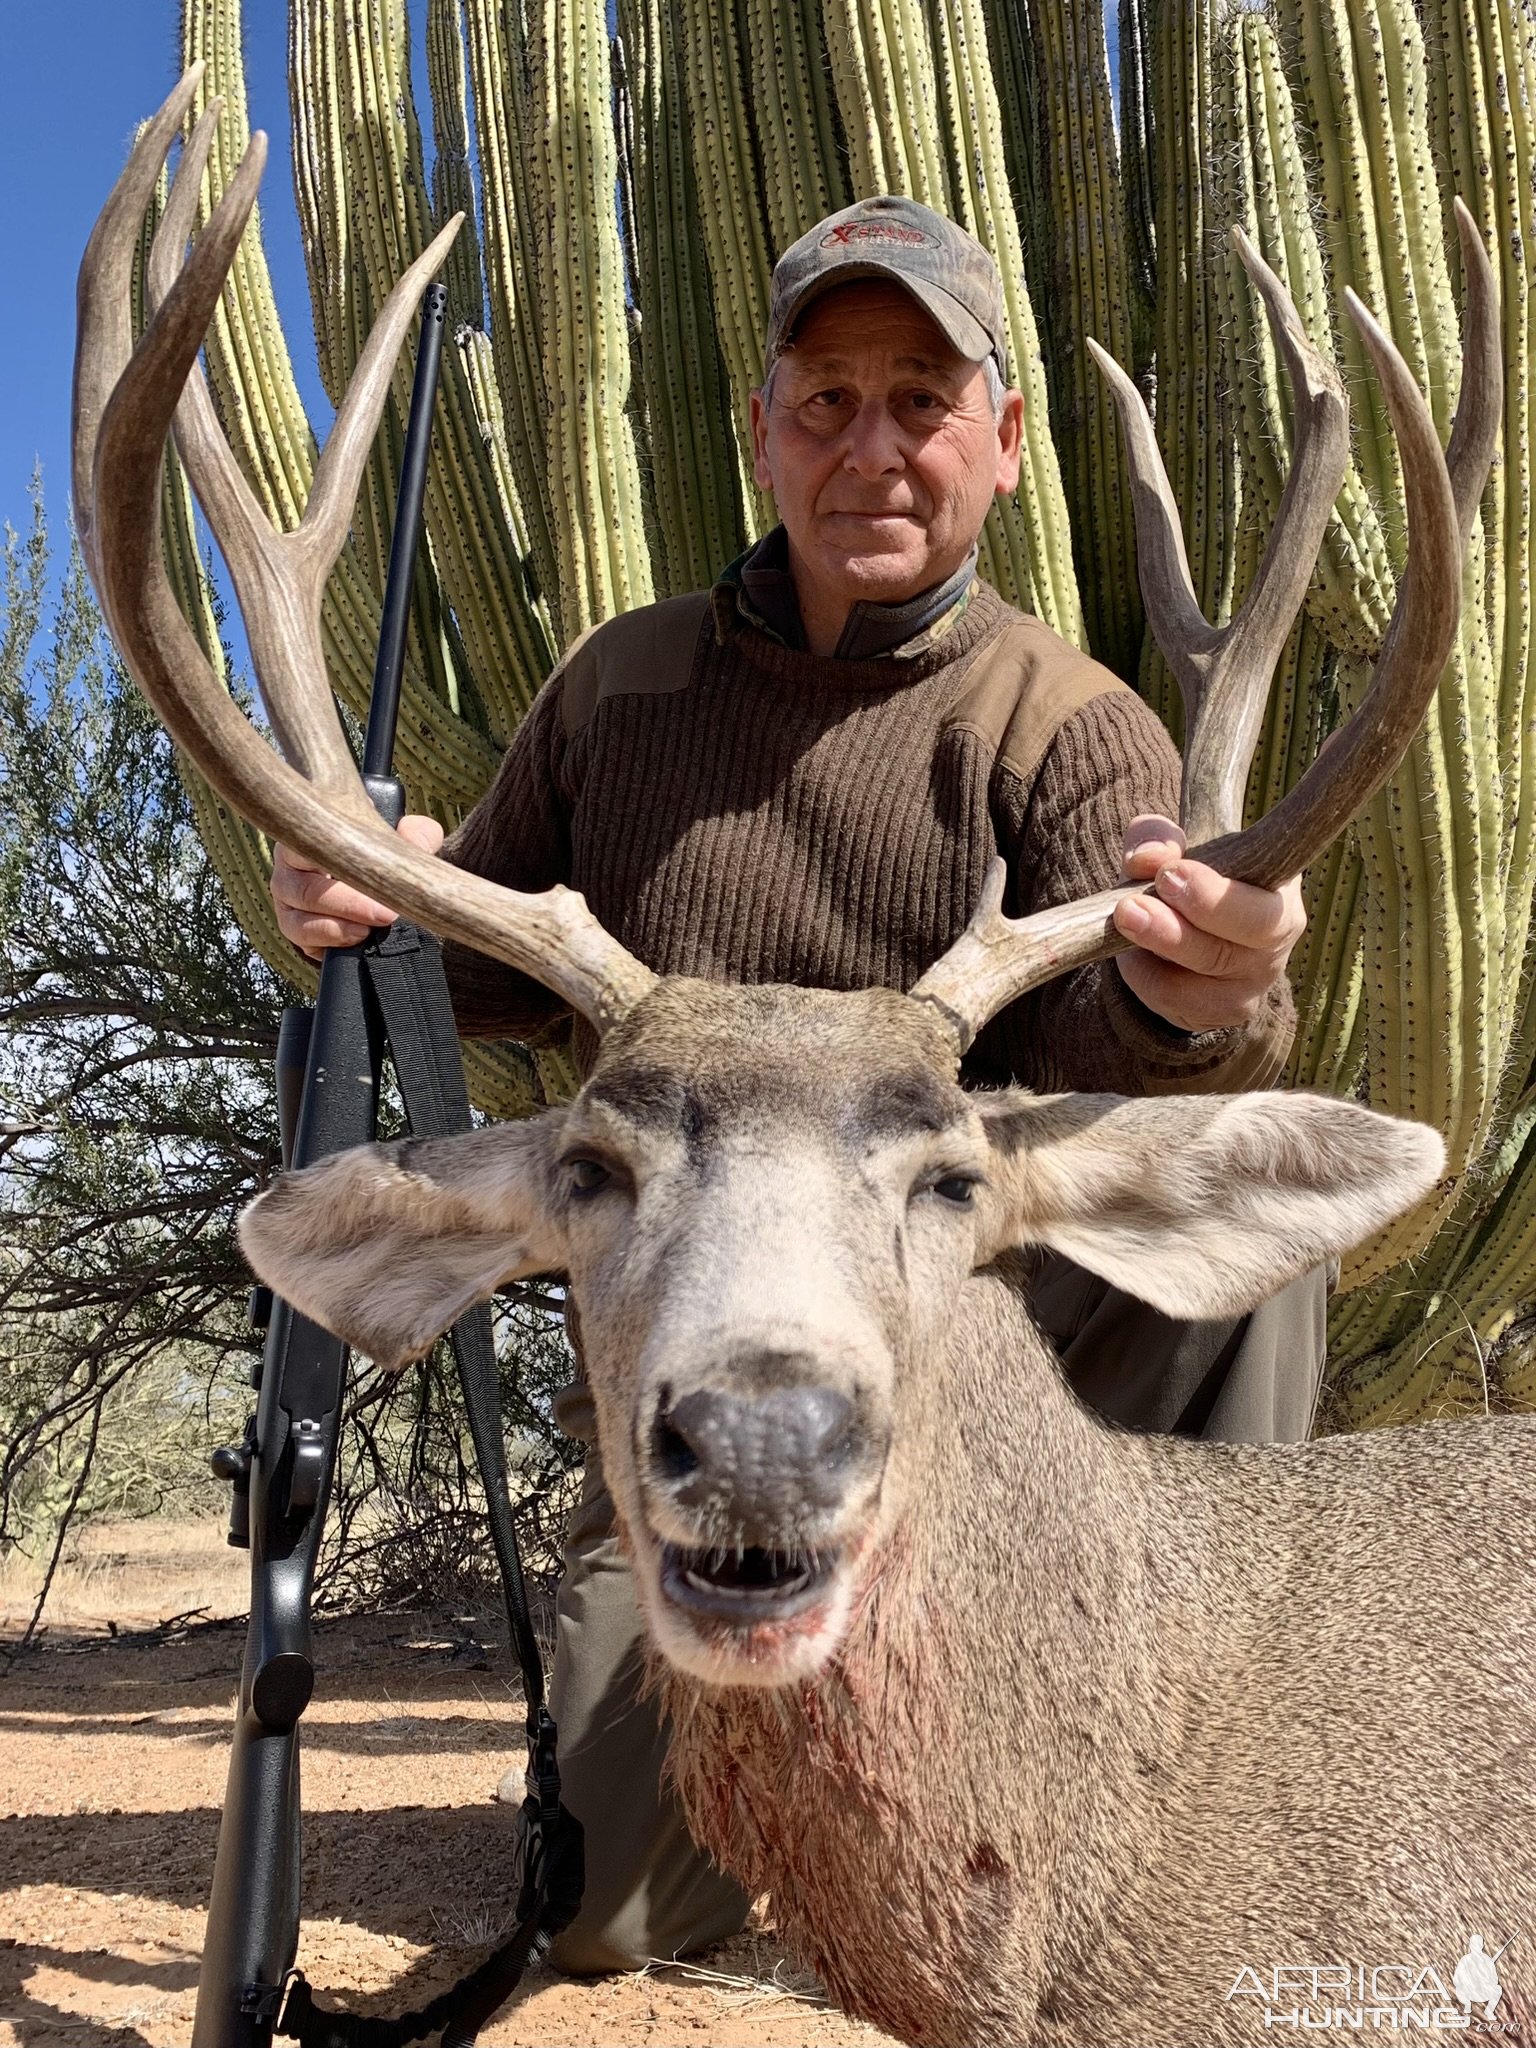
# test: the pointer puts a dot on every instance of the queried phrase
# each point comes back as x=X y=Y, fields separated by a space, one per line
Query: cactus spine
x=594 y=447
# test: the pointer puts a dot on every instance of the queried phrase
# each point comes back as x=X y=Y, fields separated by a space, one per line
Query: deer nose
x=759 y=1464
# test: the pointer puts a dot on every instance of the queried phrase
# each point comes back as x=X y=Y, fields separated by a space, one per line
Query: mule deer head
x=770 y=1201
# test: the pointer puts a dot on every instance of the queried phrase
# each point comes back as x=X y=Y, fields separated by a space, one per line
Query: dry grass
x=127 y=1575
x=764 y=1982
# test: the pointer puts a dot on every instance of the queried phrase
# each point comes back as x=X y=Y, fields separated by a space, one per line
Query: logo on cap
x=873 y=231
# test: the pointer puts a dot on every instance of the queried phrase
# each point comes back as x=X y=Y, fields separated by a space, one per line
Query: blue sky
x=74 y=83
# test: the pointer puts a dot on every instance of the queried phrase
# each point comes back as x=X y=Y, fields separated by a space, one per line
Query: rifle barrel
x=389 y=667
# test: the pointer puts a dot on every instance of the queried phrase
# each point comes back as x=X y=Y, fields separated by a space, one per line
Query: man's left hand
x=1207 y=949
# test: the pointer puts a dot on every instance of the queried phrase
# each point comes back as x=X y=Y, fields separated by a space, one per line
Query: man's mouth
x=747 y=1586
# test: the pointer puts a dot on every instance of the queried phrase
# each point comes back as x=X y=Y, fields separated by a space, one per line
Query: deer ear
x=1201 y=1205
x=387 y=1245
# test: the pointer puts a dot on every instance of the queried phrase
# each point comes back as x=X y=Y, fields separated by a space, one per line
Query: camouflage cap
x=946 y=270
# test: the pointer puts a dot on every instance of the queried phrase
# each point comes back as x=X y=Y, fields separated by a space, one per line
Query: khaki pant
x=650 y=1891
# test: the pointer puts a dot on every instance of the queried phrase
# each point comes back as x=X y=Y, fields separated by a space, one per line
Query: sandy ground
x=112 y=1761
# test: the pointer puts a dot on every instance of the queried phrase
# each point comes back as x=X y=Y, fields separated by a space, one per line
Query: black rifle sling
x=405 y=970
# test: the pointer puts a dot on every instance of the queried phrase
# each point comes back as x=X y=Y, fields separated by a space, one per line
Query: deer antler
x=125 y=400
x=1224 y=675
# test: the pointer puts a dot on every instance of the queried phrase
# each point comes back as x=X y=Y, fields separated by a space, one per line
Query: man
x=801 y=776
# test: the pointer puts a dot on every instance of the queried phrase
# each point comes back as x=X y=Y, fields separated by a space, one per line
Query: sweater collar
x=761 y=589
x=965 y=628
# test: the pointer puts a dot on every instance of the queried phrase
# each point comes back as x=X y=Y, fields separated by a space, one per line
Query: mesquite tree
x=136 y=1091
x=627 y=194
x=138 y=1115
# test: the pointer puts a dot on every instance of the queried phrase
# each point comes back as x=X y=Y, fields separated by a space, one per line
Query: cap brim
x=962 y=330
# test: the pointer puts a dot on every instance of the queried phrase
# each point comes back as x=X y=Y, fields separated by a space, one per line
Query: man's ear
x=762 y=474
x=387 y=1245
x=1202 y=1205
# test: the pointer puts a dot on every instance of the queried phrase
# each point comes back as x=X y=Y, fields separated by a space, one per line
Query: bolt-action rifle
x=386 y=994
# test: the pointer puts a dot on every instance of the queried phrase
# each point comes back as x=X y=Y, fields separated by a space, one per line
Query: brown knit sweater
x=735 y=809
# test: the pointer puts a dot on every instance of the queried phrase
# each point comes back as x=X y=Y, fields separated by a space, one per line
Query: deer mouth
x=747 y=1585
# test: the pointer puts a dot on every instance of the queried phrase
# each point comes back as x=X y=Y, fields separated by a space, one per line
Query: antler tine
x=103 y=306
x=1219 y=753
x=1224 y=674
x=1180 y=628
x=1480 y=405
x=280 y=578
x=222 y=490
x=1414 y=650
x=124 y=407
x=998 y=959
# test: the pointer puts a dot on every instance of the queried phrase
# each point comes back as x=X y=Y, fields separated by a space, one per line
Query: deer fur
x=1088 y=1723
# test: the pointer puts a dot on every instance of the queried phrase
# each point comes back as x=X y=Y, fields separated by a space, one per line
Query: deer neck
x=971 y=1760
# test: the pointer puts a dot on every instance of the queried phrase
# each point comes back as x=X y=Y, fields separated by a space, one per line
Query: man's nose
x=874 y=447
x=761 y=1465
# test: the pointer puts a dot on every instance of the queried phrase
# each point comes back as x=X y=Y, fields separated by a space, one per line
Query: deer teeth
x=745 y=1578
x=742 y=1590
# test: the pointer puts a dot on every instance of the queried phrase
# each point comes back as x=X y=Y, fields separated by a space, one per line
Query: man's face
x=880 y=447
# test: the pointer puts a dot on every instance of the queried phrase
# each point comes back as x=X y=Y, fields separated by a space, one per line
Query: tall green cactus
x=610 y=302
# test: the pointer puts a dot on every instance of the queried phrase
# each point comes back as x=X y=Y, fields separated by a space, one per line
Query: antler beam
x=1225 y=675
x=125 y=400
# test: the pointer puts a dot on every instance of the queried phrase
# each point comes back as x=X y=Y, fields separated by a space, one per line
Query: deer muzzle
x=770 y=1483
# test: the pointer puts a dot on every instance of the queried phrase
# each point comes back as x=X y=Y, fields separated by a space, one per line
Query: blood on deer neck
x=984 y=1726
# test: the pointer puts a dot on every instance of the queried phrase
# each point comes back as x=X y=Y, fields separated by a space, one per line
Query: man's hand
x=315 y=911
x=1207 y=949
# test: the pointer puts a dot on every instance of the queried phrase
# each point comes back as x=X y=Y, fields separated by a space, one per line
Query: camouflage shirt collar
x=762 y=590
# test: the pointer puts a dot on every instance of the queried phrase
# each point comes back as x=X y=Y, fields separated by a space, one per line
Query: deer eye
x=957 y=1188
x=587 y=1175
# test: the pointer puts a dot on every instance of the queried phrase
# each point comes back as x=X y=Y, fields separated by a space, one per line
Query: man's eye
x=826 y=409
x=587 y=1175
x=926 y=407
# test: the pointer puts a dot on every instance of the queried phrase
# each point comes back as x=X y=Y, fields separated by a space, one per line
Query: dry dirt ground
x=112 y=1763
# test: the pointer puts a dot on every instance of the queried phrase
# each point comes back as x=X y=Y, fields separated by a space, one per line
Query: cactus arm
x=357 y=59
x=1091 y=296
x=801 y=181
x=735 y=236
x=695 y=465
x=1482 y=69
x=1329 y=976
x=1194 y=433
x=877 y=75
x=594 y=474
x=453 y=191
x=1015 y=67
x=453 y=185
x=499 y=86
x=1031 y=531
x=1265 y=190
x=1138 y=155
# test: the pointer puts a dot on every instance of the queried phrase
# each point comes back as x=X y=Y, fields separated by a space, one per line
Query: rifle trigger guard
x=307 y=1473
